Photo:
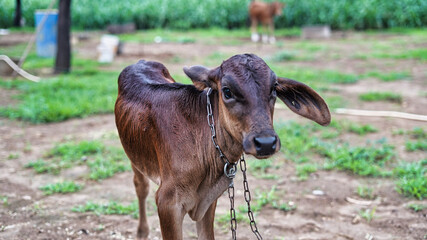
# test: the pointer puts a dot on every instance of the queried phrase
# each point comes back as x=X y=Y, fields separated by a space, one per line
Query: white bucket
x=108 y=48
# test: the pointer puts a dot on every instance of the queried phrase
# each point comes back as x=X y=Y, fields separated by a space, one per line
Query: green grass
x=264 y=198
x=206 y=35
x=72 y=150
x=381 y=96
x=62 y=97
x=412 y=179
x=103 y=162
x=368 y=214
x=417 y=207
x=61 y=187
x=105 y=165
x=365 y=161
x=389 y=77
x=66 y=155
x=284 y=56
x=314 y=78
x=295 y=140
x=420 y=145
x=418 y=133
x=343 y=14
x=362 y=129
x=365 y=192
x=260 y=168
x=304 y=171
x=416 y=54
x=13 y=156
x=109 y=208
x=4 y=200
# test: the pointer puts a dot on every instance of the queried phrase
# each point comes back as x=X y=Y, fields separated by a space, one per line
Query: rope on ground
x=18 y=70
x=370 y=113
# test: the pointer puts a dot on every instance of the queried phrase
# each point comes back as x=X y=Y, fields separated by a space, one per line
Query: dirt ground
x=29 y=214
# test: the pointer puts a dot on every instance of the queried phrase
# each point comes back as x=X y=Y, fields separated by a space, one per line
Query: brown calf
x=264 y=13
x=164 y=130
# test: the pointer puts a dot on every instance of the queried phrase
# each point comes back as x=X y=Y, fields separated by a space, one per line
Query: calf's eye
x=227 y=93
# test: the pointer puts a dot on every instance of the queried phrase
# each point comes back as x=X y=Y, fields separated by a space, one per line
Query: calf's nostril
x=257 y=144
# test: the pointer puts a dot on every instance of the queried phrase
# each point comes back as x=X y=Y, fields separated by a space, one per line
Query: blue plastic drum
x=46 y=38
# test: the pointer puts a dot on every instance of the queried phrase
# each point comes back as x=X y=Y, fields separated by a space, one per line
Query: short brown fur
x=164 y=131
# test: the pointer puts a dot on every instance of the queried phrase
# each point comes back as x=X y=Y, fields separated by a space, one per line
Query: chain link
x=230 y=170
x=248 y=198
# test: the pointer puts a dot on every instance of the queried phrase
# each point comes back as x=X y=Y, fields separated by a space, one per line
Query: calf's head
x=247 y=90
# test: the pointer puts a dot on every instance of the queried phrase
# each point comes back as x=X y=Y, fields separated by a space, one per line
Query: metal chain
x=248 y=198
x=230 y=170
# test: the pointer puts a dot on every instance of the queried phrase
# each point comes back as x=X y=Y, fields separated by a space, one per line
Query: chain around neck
x=230 y=170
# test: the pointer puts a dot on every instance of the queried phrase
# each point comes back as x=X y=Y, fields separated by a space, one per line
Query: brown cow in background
x=264 y=13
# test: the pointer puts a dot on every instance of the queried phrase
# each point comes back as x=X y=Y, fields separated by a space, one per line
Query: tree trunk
x=18 y=15
x=63 y=53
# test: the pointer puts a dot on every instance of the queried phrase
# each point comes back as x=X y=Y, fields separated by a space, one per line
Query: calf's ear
x=303 y=100
x=202 y=77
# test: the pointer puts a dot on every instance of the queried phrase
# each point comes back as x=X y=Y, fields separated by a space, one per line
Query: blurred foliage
x=186 y=14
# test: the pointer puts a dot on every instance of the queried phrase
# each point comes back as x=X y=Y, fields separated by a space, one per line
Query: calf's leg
x=142 y=186
x=271 y=39
x=205 y=227
x=254 y=25
x=171 y=212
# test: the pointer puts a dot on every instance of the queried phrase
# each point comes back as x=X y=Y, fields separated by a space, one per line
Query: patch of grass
x=389 y=77
x=42 y=166
x=304 y=171
x=13 y=156
x=66 y=155
x=420 y=145
x=105 y=165
x=4 y=200
x=417 y=54
x=418 y=133
x=263 y=199
x=365 y=161
x=216 y=58
x=368 y=214
x=412 y=180
x=295 y=139
x=103 y=162
x=259 y=168
x=109 y=208
x=329 y=134
x=417 y=207
x=62 y=97
x=284 y=56
x=365 y=192
x=286 y=207
x=362 y=129
x=61 y=187
x=76 y=151
x=360 y=56
x=335 y=101
x=310 y=46
x=178 y=36
x=314 y=78
x=224 y=219
x=381 y=96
